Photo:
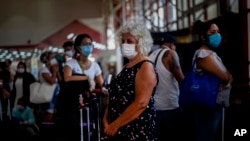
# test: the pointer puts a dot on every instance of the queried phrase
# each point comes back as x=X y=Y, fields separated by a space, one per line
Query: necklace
x=86 y=63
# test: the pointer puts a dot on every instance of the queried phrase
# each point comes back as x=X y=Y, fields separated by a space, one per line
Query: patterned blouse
x=122 y=94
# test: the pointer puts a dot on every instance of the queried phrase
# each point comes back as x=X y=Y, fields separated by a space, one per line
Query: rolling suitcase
x=90 y=127
x=85 y=107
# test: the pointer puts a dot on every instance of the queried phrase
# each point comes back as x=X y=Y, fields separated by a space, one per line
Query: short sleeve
x=70 y=63
x=201 y=53
x=94 y=70
x=98 y=69
x=44 y=70
x=204 y=53
x=73 y=64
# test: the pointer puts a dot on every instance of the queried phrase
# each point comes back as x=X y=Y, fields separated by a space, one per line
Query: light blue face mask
x=86 y=50
x=214 y=40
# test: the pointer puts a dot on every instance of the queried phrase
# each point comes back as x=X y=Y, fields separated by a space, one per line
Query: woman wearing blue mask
x=81 y=76
x=80 y=64
x=205 y=122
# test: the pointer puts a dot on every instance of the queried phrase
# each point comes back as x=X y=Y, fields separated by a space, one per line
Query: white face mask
x=69 y=53
x=53 y=62
x=128 y=50
x=20 y=70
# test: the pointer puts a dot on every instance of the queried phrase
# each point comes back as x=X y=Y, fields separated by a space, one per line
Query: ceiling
x=29 y=26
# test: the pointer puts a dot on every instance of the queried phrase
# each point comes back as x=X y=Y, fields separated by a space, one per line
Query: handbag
x=41 y=92
x=199 y=89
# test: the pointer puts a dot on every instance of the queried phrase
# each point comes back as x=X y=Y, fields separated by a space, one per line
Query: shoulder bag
x=41 y=92
x=199 y=89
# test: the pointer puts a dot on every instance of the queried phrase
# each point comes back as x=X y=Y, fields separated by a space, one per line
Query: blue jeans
x=202 y=124
x=53 y=102
x=168 y=124
x=49 y=107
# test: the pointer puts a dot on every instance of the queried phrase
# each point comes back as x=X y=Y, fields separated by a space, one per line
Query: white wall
x=23 y=20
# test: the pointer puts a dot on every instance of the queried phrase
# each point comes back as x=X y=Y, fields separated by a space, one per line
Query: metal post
x=81 y=125
x=88 y=123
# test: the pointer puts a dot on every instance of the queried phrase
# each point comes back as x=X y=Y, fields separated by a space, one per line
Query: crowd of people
x=143 y=98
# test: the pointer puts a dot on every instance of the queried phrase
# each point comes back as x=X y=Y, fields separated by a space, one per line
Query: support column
x=243 y=6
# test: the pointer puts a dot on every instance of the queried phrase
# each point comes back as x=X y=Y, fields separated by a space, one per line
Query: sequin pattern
x=122 y=94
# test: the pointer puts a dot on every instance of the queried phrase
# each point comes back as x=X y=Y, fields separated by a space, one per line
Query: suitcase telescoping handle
x=83 y=105
x=81 y=121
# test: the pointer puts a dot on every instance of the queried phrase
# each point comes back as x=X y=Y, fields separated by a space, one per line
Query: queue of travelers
x=143 y=98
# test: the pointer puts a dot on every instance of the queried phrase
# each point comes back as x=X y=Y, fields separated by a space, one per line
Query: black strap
x=140 y=63
x=158 y=56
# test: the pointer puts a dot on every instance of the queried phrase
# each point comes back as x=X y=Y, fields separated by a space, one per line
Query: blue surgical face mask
x=86 y=50
x=214 y=40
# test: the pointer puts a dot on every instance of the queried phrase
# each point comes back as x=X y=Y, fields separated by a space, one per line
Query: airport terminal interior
x=30 y=27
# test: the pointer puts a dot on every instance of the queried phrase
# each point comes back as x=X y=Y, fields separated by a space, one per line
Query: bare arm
x=145 y=81
x=171 y=62
x=208 y=64
x=105 y=118
x=48 y=78
x=99 y=80
x=175 y=67
x=69 y=77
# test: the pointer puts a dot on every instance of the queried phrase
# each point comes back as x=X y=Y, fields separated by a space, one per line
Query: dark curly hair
x=68 y=43
x=201 y=28
x=78 y=41
x=45 y=56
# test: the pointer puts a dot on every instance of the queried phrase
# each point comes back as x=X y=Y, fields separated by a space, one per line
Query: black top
x=122 y=94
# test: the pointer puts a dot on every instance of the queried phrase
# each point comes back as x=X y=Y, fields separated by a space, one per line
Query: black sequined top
x=122 y=94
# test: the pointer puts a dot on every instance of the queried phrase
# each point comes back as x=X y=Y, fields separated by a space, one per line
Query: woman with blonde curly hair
x=130 y=114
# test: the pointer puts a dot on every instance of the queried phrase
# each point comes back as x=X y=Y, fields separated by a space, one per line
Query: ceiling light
x=14 y=52
x=70 y=35
x=28 y=54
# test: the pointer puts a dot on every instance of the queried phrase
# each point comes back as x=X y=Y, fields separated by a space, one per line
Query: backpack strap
x=156 y=58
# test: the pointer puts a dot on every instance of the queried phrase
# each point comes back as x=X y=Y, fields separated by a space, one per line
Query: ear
x=202 y=37
x=137 y=48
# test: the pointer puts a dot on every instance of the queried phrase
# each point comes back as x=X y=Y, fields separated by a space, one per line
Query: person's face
x=86 y=41
x=213 y=29
x=85 y=44
x=20 y=106
x=21 y=66
x=128 y=38
x=51 y=56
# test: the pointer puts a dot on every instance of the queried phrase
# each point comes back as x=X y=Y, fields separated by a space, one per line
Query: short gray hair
x=141 y=33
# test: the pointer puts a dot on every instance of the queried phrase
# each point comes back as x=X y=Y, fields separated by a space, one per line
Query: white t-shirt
x=44 y=70
x=93 y=71
x=19 y=89
x=201 y=53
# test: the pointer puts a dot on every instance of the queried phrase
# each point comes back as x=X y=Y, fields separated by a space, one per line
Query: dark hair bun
x=68 y=43
x=198 y=27
x=44 y=56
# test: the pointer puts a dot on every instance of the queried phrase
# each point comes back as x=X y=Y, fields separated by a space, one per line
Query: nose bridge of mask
x=87 y=48
x=20 y=70
x=69 y=53
x=53 y=61
x=128 y=46
x=214 y=39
